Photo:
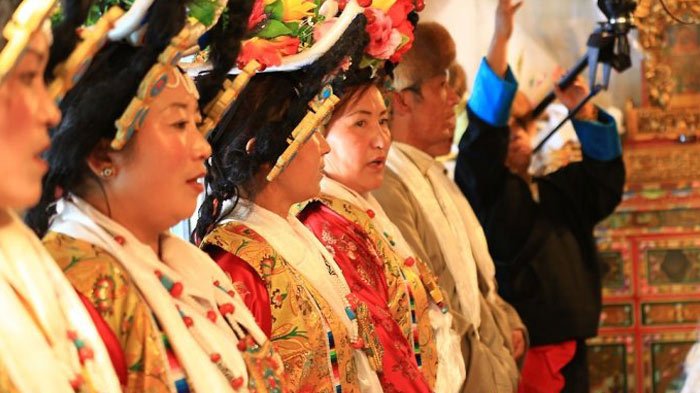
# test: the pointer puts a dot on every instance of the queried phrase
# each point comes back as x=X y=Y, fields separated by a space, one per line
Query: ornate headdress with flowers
x=202 y=15
x=288 y=35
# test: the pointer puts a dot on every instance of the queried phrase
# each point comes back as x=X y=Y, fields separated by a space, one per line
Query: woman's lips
x=197 y=183
x=377 y=163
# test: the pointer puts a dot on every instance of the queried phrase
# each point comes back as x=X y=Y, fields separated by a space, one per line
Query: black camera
x=607 y=45
x=618 y=12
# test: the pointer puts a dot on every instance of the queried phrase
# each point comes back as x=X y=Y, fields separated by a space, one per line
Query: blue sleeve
x=492 y=96
x=599 y=139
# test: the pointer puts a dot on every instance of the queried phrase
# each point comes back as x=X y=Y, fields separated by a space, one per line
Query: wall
x=548 y=32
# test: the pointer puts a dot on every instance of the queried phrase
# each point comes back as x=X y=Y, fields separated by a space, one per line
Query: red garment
x=248 y=284
x=542 y=369
x=363 y=269
x=116 y=354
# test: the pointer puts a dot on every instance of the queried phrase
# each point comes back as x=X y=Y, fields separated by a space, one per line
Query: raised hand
x=505 y=13
x=497 y=56
x=571 y=96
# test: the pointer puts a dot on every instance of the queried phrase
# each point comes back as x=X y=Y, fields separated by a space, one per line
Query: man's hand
x=518 y=343
x=573 y=95
x=505 y=13
x=498 y=51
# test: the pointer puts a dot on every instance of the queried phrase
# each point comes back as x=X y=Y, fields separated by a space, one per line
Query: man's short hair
x=432 y=53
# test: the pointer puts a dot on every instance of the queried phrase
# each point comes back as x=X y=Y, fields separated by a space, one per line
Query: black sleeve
x=584 y=193
x=501 y=200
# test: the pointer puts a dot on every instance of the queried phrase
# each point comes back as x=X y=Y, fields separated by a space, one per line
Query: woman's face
x=359 y=137
x=26 y=114
x=158 y=175
x=301 y=179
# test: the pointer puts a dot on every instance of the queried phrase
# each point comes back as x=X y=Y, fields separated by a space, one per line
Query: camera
x=619 y=12
x=607 y=45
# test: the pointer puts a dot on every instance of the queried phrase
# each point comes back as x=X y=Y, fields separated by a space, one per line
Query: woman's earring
x=107 y=172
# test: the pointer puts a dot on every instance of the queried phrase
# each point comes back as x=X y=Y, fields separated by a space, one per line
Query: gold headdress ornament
x=157 y=77
x=27 y=19
x=215 y=110
x=319 y=110
x=69 y=72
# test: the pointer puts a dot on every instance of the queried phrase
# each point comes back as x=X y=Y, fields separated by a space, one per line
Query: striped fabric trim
x=415 y=339
x=333 y=357
x=177 y=374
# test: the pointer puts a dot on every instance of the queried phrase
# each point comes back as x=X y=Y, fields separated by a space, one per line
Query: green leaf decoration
x=273 y=29
x=275 y=10
x=294 y=27
x=100 y=7
x=203 y=10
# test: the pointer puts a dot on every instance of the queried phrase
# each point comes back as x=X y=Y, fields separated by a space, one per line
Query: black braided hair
x=224 y=47
x=97 y=101
x=268 y=109
x=65 y=36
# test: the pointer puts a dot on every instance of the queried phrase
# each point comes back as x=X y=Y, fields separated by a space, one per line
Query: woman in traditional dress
x=48 y=342
x=124 y=167
x=368 y=247
x=268 y=156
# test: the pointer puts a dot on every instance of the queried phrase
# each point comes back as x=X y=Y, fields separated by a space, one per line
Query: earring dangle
x=107 y=172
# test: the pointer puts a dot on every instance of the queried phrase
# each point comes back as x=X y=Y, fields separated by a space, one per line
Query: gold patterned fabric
x=101 y=279
x=400 y=277
x=299 y=314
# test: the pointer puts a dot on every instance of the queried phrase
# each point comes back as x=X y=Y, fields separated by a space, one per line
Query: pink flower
x=383 y=39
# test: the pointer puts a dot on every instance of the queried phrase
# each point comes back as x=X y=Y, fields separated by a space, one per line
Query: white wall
x=548 y=32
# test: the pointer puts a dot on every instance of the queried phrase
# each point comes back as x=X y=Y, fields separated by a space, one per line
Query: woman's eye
x=360 y=123
x=384 y=122
x=180 y=125
x=28 y=78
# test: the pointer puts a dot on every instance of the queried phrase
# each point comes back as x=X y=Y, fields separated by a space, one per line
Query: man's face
x=432 y=114
x=522 y=130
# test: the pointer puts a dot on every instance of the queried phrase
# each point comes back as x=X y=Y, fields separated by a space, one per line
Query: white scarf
x=451 y=371
x=692 y=370
x=32 y=364
x=300 y=248
x=183 y=263
x=445 y=218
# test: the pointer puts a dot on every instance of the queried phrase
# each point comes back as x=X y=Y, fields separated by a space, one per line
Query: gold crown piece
x=216 y=109
x=155 y=81
x=319 y=109
x=68 y=73
x=27 y=19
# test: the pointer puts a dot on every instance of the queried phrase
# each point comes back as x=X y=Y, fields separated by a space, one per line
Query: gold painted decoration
x=319 y=109
x=93 y=39
x=659 y=32
x=28 y=18
x=216 y=109
x=155 y=82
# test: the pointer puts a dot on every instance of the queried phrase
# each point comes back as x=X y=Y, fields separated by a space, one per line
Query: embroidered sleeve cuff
x=599 y=139
x=492 y=96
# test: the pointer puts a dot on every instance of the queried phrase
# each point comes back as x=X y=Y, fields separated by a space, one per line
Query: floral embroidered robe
x=342 y=220
x=151 y=365
x=289 y=309
x=363 y=269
